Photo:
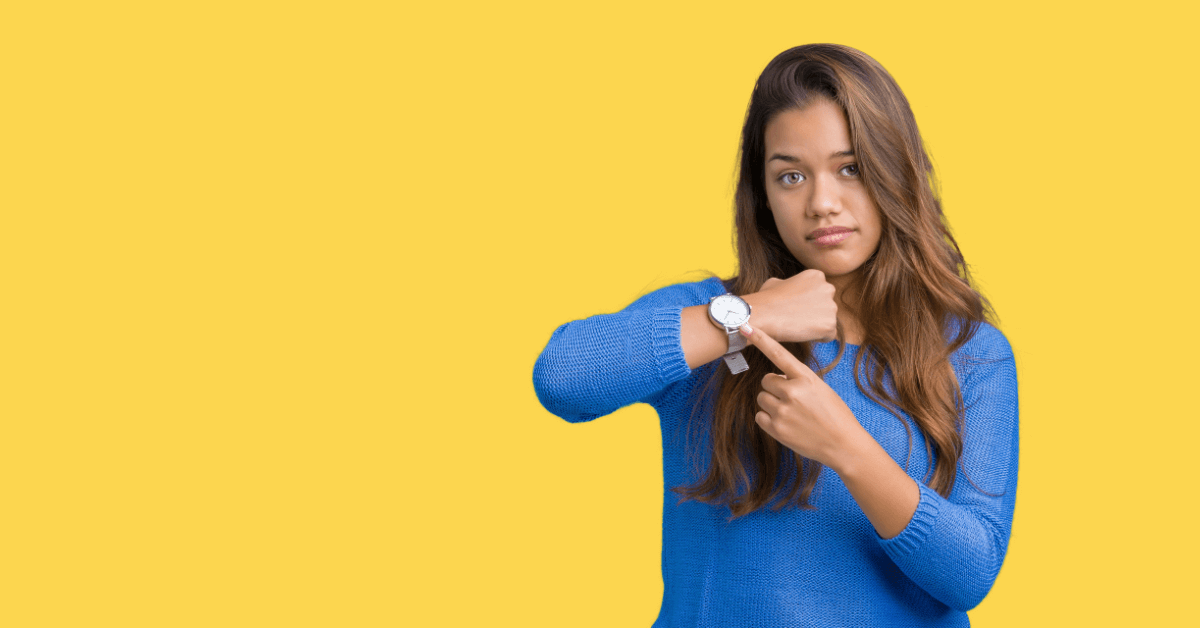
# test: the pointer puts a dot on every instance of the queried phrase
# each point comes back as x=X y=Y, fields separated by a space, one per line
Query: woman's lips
x=833 y=238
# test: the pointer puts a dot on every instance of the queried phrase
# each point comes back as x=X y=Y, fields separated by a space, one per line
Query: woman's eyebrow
x=792 y=159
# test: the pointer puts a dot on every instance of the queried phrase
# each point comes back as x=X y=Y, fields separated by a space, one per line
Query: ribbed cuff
x=913 y=536
x=665 y=333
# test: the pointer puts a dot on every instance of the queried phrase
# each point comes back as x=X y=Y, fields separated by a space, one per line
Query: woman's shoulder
x=987 y=339
x=986 y=346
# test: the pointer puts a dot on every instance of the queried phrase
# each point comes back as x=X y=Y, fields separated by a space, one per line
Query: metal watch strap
x=737 y=341
x=733 y=357
x=736 y=362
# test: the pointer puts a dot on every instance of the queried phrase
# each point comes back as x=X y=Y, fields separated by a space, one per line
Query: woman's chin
x=833 y=263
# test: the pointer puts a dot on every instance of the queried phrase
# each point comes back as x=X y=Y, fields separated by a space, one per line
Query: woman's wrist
x=760 y=313
x=701 y=340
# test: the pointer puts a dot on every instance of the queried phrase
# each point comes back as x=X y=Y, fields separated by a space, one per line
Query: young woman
x=852 y=461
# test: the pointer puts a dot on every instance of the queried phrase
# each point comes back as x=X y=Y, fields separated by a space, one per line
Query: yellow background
x=274 y=277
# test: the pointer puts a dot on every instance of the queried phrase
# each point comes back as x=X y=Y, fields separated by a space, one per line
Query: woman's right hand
x=797 y=309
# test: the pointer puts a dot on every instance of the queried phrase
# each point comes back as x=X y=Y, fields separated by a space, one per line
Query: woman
x=858 y=465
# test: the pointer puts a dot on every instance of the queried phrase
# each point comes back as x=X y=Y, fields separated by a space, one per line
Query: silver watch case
x=733 y=356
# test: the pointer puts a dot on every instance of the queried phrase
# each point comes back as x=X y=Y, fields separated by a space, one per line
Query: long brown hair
x=907 y=296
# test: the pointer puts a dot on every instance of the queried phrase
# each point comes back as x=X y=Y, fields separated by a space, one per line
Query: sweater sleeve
x=597 y=365
x=953 y=547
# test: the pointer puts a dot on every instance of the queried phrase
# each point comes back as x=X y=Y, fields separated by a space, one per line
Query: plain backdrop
x=275 y=276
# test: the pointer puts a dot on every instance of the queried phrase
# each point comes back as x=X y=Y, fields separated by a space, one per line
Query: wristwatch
x=729 y=312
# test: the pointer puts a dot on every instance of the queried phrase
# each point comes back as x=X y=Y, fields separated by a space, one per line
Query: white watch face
x=729 y=310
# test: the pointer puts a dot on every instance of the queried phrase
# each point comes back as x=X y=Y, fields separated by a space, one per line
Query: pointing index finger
x=779 y=356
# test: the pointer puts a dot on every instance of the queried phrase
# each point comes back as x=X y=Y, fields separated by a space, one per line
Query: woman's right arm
x=597 y=365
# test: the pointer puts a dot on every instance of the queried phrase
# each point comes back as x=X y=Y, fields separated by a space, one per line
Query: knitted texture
x=793 y=567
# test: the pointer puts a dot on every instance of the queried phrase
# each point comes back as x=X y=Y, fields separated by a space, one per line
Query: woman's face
x=813 y=185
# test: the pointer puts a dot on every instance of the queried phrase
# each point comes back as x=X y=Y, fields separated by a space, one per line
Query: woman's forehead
x=816 y=132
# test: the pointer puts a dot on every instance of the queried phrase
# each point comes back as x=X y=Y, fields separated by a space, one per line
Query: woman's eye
x=850 y=169
x=791 y=178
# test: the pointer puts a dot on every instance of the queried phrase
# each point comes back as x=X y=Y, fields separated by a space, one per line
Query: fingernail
x=746 y=329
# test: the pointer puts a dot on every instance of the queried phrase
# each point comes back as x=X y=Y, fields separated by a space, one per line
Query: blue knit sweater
x=793 y=567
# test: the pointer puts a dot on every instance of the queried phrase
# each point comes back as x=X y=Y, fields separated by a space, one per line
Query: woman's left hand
x=800 y=410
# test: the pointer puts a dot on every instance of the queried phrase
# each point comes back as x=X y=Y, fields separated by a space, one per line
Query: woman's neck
x=847 y=315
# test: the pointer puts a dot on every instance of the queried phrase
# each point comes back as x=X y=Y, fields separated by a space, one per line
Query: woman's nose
x=824 y=198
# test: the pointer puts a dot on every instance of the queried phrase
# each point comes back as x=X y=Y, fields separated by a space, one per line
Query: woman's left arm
x=951 y=547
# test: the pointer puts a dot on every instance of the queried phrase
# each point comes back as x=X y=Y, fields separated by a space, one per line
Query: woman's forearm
x=702 y=341
x=884 y=492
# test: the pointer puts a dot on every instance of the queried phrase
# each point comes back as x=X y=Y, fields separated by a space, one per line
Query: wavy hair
x=912 y=292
